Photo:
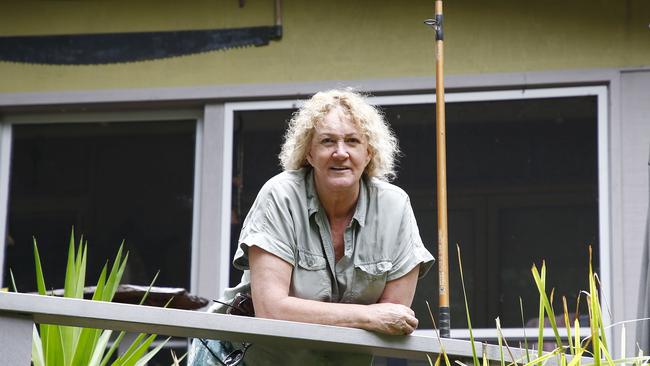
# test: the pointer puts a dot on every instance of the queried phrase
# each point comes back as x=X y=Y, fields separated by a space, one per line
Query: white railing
x=18 y=313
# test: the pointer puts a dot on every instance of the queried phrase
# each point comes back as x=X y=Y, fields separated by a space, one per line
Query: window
x=525 y=181
x=522 y=181
x=111 y=181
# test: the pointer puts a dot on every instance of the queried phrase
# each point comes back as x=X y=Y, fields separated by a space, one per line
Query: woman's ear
x=368 y=157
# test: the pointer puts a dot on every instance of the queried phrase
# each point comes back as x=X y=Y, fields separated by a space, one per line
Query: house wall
x=336 y=40
x=635 y=135
x=488 y=44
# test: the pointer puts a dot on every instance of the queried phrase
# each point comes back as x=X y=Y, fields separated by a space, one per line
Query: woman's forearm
x=270 y=282
x=310 y=311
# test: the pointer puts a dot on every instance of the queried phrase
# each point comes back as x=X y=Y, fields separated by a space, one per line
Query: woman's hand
x=394 y=319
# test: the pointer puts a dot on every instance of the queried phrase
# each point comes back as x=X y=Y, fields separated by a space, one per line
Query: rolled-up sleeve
x=268 y=226
x=409 y=251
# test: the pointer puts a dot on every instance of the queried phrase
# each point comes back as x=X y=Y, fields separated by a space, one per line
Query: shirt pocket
x=370 y=281
x=311 y=279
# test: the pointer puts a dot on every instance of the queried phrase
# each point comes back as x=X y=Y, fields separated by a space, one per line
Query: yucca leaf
x=37 y=348
x=13 y=280
x=540 y=281
x=99 y=287
x=52 y=349
x=498 y=323
x=577 y=357
x=115 y=275
x=638 y=361
x=70 y=273
x=40 y=284
x=485 y=360
x=442 y=347
x=146 y=293
x=469 y=320
x=40 y=280
x=576 y=340
x=65 y=343
x=85 y=345
x=639 y=355
x=81 y=271
x=594 y=313
x=567 y=325
x=428 y=358
x=136 y=350
x=505 y=342
x=80 y=288
x=98 y=350
x=73 y=288
x=523 y=325
x=146 y=358
x=88 y=337
x=113 y=348
x=177 y=361
x=602 y=327
x=120 y=272
x=541 y=360
x=608 y=357
x=66 y=334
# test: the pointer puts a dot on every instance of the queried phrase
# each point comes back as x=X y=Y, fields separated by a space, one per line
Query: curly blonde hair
x=382 y=143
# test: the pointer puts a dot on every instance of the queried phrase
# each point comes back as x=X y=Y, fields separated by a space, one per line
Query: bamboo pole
x=444 y=317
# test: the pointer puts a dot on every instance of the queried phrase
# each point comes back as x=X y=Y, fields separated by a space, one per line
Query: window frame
x=604 y=172
x=6 y=142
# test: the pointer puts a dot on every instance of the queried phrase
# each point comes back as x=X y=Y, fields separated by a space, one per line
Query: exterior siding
x=635 y=123
x=336 y=40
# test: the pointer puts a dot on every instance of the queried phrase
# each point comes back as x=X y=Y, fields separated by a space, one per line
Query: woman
x=329 y=241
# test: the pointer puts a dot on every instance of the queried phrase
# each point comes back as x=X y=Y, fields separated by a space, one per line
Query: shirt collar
x=313 y=204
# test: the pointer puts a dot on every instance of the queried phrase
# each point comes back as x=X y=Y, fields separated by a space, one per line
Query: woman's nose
x=341 y=151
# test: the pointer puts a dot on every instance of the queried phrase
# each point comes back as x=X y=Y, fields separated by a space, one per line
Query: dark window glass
x=111 y=181
x=522 y=188
x=257 y=142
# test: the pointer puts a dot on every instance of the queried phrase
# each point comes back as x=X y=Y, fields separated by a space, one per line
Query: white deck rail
x=18 y=313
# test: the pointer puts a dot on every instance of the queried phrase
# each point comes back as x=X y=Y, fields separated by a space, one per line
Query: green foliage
x=593 y=345
x=55 y=345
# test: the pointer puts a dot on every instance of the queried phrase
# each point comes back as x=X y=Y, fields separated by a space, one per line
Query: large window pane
x=111 y=181
x=522 y=188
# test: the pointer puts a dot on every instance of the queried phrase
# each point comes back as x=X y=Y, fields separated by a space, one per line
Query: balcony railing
x=18 y=313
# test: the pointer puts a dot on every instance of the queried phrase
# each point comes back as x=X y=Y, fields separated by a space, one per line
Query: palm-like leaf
x=72 y=346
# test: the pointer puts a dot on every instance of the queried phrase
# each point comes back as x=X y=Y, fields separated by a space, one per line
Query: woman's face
x=338 y=153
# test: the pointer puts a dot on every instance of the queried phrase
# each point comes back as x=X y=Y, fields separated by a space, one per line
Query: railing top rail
x=184 y=323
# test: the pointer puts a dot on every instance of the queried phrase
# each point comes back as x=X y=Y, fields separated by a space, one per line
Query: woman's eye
x=327 y=140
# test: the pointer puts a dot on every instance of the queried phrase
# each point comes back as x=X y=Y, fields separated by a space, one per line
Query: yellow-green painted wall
x=336 y=39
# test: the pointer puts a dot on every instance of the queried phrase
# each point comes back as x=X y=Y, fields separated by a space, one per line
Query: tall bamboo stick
x=444 y=318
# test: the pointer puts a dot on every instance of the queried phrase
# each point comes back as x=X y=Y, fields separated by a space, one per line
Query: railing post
x=15 y=340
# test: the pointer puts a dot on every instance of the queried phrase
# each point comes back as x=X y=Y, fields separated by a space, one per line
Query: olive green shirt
x=382 y=243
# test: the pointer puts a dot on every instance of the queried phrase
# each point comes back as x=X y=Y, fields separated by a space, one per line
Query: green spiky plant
x=72 y=346
x=594 y=345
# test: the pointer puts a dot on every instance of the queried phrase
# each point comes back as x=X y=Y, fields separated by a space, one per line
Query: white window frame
x=6 y=137
x=604 y=173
